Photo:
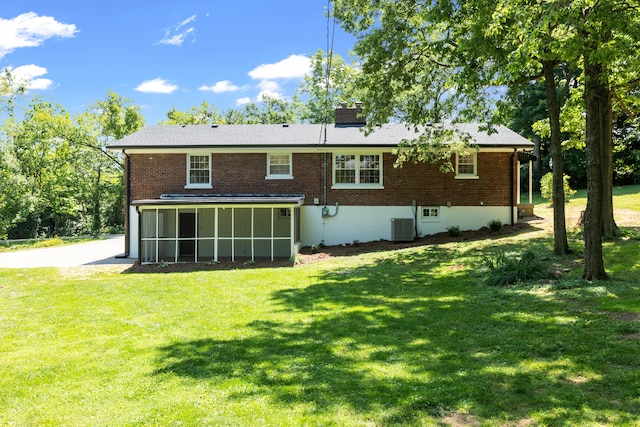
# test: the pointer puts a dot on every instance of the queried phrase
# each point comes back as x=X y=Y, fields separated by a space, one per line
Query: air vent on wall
x=402 y=229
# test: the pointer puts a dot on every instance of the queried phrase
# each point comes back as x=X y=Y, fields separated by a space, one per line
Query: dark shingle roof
x=297 y=135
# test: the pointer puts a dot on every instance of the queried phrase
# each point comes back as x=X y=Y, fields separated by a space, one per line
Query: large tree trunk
x=560 y=243
x=609 y=226
x=595 y=96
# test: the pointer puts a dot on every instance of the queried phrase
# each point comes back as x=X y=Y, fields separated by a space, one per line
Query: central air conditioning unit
x=402 y=229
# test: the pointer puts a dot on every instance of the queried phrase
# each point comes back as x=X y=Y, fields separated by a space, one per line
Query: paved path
x=97 y=252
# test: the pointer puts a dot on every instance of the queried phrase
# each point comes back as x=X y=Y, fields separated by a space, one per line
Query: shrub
x=503 y=269
x=495 y=225
x=546 y=187
x=54 y=241
x=453 y=230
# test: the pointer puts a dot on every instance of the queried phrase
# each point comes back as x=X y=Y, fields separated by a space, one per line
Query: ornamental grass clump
x=505 y=269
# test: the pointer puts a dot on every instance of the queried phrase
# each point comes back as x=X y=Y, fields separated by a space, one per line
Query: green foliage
x=16 y=203
x=204 y=114
x=270 y=110
x=326 y=87
x=546 y=187
x=505 y=269
x=626 y=151
x=453 y=230
x=61 y=177
x=47 y=243
x=495 y=225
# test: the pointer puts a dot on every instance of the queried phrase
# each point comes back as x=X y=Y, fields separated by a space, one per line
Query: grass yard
x=409 y=337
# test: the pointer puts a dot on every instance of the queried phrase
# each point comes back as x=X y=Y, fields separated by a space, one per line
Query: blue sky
x=163 y=54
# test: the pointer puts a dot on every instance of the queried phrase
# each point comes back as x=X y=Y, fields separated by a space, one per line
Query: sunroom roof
x=223 y=199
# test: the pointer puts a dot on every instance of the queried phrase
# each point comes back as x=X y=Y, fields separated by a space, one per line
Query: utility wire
x=330 y=35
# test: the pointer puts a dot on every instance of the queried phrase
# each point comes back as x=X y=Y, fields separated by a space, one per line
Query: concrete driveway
x=97 y=252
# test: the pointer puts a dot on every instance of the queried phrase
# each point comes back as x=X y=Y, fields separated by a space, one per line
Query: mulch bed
x=306 y=256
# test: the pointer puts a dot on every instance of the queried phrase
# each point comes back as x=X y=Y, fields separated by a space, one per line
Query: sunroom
x=214 y=228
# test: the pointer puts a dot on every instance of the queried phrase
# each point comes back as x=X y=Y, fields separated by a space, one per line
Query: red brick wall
x=156 y=174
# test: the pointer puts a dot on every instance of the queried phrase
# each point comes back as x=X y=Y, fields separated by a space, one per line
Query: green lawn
x=409 y=337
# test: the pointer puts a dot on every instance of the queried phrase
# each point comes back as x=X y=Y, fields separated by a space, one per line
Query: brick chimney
x=350 y=116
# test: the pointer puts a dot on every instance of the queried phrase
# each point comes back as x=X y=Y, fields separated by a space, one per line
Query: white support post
x=292 y=232
x=215 y=235
x=518 y=183
x=233 y=235
x=253 y=249
x=175 y=252
x=530 y=182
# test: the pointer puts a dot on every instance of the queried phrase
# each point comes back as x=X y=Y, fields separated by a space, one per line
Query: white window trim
x=279 y=176
x=202 y=185
x=424 y=218
x=474 y=175
x=356 y=185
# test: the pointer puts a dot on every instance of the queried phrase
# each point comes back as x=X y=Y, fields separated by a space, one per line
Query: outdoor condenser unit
x=402 y=229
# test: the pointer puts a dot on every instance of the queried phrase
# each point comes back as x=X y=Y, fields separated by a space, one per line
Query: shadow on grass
x=412 y=336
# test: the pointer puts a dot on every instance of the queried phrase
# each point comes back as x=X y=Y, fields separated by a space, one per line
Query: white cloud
x=269 y=94
x=30 y=30
x=295 y=66
x=157 y=85
x=270 y=89
x=243 y=101
x=28 y=75
x=269 y=85
x=220 y=87
x=177 y=34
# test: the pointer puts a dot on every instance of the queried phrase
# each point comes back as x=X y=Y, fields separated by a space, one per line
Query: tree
x=609 y=33
x=472 y=45
x=270 y=110
x=106 y=121
x=332 y=81
x=204 y=114
x=15 y=202
x=45 y=159
x=430 y=62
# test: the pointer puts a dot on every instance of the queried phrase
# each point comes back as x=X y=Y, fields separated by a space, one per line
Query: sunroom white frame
x=145 y=258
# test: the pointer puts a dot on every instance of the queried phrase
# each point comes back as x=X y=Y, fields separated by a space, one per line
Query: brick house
x=208 y=193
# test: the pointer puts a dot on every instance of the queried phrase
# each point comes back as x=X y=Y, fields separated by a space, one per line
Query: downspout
x=512 y=185
x=140 y=234
x=414 y=207
x=324 y=166
x=325 y=208
x=127 y=200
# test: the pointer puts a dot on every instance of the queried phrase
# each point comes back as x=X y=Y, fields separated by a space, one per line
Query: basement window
x=431 y=214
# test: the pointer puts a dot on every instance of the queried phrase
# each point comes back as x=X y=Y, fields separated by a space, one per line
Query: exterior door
x=187 y=230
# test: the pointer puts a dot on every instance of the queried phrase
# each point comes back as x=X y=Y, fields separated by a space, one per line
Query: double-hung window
x=198 y=171
x=467 y=166
x=357 y=170
x=279 y=166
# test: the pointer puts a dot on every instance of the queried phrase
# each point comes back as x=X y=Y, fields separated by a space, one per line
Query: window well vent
x=402 y=229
